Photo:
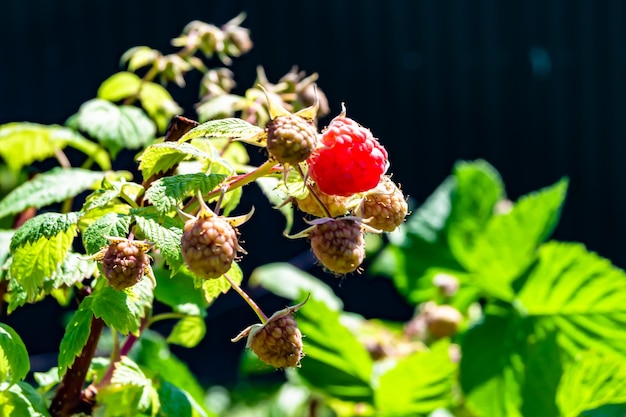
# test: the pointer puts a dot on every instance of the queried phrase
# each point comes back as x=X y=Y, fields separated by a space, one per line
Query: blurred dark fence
x=536 y=87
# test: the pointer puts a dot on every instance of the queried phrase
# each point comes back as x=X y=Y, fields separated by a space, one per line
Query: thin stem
x=313 y=193
x=166 y=316
x=247 y=299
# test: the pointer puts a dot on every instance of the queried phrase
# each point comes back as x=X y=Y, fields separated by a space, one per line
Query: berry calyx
x=336 y=205
x=350 y=159
x=209 y=245
x=338 y=244
x=290 y=138
x=125 y=262
x=384 y=207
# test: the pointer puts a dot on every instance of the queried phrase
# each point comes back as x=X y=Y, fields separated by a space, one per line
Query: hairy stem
x=247 y=299
x=69 y=397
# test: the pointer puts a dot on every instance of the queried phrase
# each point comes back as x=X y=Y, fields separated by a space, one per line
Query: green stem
x=166 y=316
x=247 y=299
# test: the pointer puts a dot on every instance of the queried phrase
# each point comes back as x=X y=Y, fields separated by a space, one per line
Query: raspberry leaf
x=22 y=399
x=122 y=310
x=111 y=224
x=158 y=103
x=175 y=401
x=166 y=193
x=339 y=365
x=507 y=243
x=418 y=384
x=115 y=127
x=25 y=143
x=119 y=86
x=49 y=187
x=130 y=390
x=178 y=292
x=188 y=332
x=160 y=157
x=212 y=288
x=39 y=247
x=231 y=128
x=14 y=362
x=75 y=336
x=164 y=232
x=591 y=381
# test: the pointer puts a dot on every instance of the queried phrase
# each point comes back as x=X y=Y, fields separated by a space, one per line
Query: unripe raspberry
x=124 y=262
x=350 y=159
x=443 y=321
x=209 y=245
x=278 y=342
x=339 y=244
x=384 y=207
x=336 y=205
x=290 y=139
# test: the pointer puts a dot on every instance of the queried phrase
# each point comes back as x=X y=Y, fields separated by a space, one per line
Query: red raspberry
x=350 y=159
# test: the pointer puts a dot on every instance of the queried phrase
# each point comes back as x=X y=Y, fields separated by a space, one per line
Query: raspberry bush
x=506 y=322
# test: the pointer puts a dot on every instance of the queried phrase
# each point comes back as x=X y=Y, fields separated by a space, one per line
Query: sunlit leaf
x=418 y=384
x=119 y=86
x=14 y=362
x=166 y=193
x=22 y=399
x=164 y=232
x=115 y=127
x=188 y=332
x=231 y=128
x=49 y=187
x=162 y=156
x=111 y=224
x=75 y=336
x=159 y=104
x=212 y=288
x=178 y=292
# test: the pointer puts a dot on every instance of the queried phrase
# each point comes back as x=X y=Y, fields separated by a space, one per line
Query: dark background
x=535 y=87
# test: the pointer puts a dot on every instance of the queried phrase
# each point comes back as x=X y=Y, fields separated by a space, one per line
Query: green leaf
x=231 y=128
x=188 y=332
x=491 y=366
x=160 y=157
x=75 y=336
x=154 y=356
x=123 y=310
x=159 y=104
x=591 y=381
x=178 y=292
x=335 y=362
x=167 y=193
x=119 y=86
x=212 y=288
x=53 y=186
x=47 y=380
x=39 y=247
x=164 y=232
x=220 y=106
x=417 y=384
x=73 y=269
x=130 y=391
x=508 y=243
x=5 y=247
x=289 y=282
x=23 y=143
x=22 y=399
x=14 y=362
x=581 y=295
x=111 y=224
x=176 y=401
x=115 y=127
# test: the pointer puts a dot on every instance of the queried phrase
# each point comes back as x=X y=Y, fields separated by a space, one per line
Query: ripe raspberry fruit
x=350 y=159
x=338 y=244
x=336 y=205
x=278 y=342
x=124 y=262
x=209 y=245
x=290 y=138
x=384 y=207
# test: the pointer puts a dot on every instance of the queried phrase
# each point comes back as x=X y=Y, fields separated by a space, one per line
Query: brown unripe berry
x=278 y=342
x=339 y=245
x=209 y=246
x=290 y=139
x=124 y=263
x=384 y=207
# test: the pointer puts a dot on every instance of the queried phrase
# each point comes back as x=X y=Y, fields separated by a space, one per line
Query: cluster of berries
x=343 y=168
